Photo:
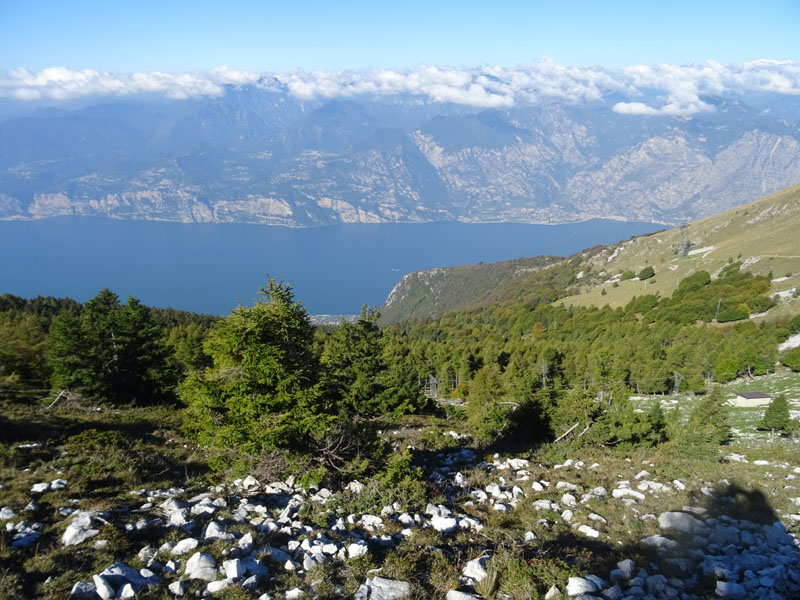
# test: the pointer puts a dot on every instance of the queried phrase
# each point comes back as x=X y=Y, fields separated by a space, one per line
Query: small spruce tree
x=708 y=424
x=776 y=415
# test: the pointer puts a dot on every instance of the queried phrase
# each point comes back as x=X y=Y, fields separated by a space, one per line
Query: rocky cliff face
x=306 y=165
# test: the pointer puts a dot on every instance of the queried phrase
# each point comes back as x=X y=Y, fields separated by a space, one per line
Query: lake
x=206 y=267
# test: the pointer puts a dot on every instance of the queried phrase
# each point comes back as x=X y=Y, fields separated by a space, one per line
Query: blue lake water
x=209 y=267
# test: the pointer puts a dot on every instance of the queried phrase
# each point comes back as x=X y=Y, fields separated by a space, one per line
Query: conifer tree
x=110 y=352
x=708 y=424
x=776 y=415
x=261 y=392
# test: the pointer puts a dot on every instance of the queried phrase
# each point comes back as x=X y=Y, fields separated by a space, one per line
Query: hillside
x=436 y=291
x=762 y=234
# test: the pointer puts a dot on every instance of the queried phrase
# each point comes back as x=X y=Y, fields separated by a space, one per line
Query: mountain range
x=262 y=155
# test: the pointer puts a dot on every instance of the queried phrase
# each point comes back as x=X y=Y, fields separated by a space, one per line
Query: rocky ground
x=597 y=525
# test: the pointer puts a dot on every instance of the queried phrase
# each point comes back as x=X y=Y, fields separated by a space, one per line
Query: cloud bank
x=678 y=89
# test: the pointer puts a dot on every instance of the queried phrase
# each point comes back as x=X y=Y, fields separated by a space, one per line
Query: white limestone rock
x=357 y=549
x=681 y=522
x=79 y=530
x=379 y=588
x=103 y=588
x=475 y=569
x=589 y=531
x=185 y=546
x=627 y=493
x=730 y=589
x=178 y=588
x=577 y=586
x=234 y=568
x=217 y=586
x=456 y=595
x=444 y=524
x=83 y=590
x=201 y=566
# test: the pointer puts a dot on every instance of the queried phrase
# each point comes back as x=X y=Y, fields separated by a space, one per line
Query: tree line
x=263 y=386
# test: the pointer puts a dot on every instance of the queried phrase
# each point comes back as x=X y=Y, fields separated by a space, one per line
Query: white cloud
x=634 y=108
x=679 y=89
x=684 y=85
x=59 y=83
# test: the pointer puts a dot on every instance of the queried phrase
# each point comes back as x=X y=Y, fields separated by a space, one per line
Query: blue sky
x=285 y=36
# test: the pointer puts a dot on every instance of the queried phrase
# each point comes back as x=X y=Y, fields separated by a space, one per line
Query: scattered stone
x=79 y=530
x=178 y=588
x=357 y=549
x=379 y=588
x=444 y=524
x=577 y=586
x=553 y=593
x=103 y=588
x=681 y=522
x=234 y=568
x=456 y=595
x=218 y=586
x=185 y=546
x=201 y=566
x=83 y=590
x=475 y=570
x=729 y=589
x=589 y=531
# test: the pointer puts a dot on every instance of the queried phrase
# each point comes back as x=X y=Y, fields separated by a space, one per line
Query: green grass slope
x=764 y=234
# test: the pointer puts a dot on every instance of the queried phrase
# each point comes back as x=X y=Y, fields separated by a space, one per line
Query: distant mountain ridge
x=259 y=155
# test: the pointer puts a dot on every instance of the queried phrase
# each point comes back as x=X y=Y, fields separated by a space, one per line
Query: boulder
x=474 y=569
x=217 y=586
x=444 y=524
x=456 y=595
x=201 y=566
x=77 y=533
x=379 y=588
x=83 y=590
x=185 y=546
x=729 y=589
x=234 y=568
x=681 y=522
x=178 y=588
x=577 y=586
x=103 y=588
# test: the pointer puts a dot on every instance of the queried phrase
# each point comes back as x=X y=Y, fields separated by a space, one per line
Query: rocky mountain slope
x=261 y=155
x=138 y=520
x=762 y=234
